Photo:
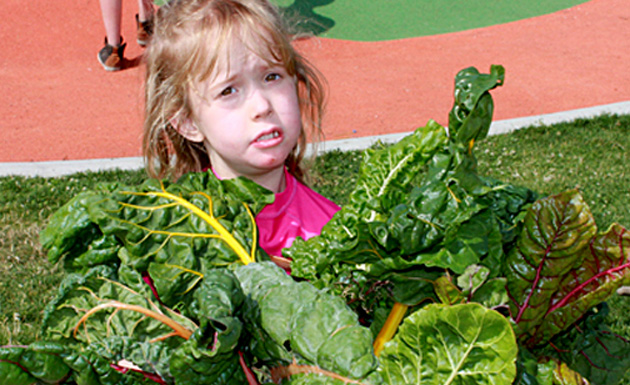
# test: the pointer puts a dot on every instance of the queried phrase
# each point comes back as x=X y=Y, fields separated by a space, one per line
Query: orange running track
x=57 y=103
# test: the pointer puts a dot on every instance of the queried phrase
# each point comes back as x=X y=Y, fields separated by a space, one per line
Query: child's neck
x=273 y=181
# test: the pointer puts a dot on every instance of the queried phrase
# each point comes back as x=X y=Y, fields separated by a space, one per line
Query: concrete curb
x=497 y=127
x=60 y=168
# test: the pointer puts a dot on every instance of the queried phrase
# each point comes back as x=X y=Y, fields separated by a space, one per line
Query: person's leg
x=112 y=13
x=111 y=56
x=145 y=10
x=144 y=22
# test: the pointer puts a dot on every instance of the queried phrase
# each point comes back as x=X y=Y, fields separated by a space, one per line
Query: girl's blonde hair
x=189 y=37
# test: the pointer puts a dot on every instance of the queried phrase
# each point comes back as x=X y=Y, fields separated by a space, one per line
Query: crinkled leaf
x=25 y=365
x=102 y=359
x=384 y=178
x=219 y=295
x=319 y=328
x=116 y=333
x=161 y=228
x=170 y=229
x=442 y=224
x=71 y=233
x=451 y=345
x=276 y=312
x=592 y=350
x=556 y=231
x=385 y=172
x=605 y=267
x=200 y=361
x=94 y=364
x=509 y=204
x=94 y=306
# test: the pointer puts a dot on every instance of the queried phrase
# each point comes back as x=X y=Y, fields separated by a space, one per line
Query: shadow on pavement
x=302 y=19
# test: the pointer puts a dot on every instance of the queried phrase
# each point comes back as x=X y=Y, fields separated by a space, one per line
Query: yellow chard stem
x=391 y=325
x=212 y=221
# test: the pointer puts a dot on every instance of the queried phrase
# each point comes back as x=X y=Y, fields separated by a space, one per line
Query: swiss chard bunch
x=425 y=226
x=162 y=288
x=160 y=232
x=489 y=282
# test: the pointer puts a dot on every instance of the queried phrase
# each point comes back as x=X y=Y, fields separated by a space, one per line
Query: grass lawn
x=592 y=155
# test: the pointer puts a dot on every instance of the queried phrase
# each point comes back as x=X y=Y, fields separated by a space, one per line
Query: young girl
x=226 y=92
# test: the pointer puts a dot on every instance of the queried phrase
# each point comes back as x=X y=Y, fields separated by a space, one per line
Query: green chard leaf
x=390 y=171
x=73 y=235
x=38 y=362
x=447 y=222
x=172 y=230
x=457 y=344
x=560 y=268
x=472 y=110
x=203 y=360
x=384 y=178
x=322 y=332
x=211 y=354
x=119 y=360
x=94 y=306
x=591 y=349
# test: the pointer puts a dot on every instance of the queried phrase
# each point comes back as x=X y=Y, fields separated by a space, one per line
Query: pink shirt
x=297 y=211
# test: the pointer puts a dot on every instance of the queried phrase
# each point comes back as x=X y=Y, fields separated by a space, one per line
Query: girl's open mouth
x=269 y=139
x=272 y=135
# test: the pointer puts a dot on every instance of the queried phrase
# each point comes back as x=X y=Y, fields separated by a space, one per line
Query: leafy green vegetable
x=161 y=285
x=592 y=349
x=560 y=267
x=94 y=306
x=425 y=234
x=460 y=344
x=37 y=362
x=420 y=205
x=319 y=328
x=164 y=230
x=472 y=110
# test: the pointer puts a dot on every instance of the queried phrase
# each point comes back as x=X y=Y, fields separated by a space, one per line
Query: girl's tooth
x=272 y=135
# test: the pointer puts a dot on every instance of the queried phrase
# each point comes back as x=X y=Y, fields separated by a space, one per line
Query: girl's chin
x=259 y=167
x=269 y=159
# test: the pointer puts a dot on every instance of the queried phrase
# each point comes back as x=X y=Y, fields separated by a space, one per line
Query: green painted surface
x=374 y=20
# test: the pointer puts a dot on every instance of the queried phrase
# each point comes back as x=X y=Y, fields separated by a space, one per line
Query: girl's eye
x=227 y=91
x=271 y=77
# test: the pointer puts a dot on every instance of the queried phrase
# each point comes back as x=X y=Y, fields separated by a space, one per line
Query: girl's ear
x=187 y=129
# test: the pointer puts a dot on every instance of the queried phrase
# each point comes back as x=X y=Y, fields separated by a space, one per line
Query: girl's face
x=248 y=118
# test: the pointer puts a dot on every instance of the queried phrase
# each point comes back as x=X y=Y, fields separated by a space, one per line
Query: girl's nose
x=260 y=104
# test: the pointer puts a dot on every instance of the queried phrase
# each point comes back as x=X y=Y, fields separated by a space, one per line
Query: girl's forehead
x=236 y=54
